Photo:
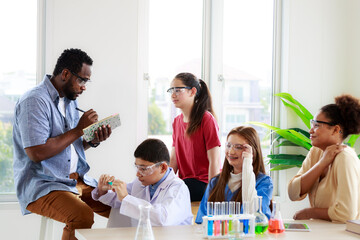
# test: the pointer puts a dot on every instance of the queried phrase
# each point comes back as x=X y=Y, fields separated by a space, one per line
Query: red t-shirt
x=191 y=153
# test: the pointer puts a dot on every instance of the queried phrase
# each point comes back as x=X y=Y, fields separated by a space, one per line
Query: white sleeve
x=248 y=182
x=109 y=198
x=173 y=208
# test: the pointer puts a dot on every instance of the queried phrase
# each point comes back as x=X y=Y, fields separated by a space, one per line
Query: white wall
x=321 y=52
x=108 y=31
x=320 y=56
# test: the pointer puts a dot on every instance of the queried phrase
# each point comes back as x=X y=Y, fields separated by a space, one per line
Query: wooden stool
x=194 y=209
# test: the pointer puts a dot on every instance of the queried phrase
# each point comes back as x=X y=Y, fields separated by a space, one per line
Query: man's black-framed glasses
x=177 y=90
x=316 y=123
x=81 y=81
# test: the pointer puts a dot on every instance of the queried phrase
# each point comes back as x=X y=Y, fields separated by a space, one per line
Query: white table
x=319 y=230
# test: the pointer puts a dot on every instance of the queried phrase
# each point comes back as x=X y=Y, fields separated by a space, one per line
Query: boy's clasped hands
x=108 y=182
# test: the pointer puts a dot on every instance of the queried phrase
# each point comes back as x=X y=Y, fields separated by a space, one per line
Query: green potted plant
x=294 y=137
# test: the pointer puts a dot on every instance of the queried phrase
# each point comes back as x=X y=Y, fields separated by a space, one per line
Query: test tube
x=231 y=213
x=246 y=211
x=239 y=223
x=224 y=212
x=238 y=208
x=210 y=213
x=217 y=213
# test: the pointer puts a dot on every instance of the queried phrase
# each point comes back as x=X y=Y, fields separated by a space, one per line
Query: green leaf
x=302 y=131
x=302 y=137
x=305 y=120
x=287 y=156
x=282 y=167
x=287 y=143
x=286 y=159
x=286 y=162
x=353 y=139
x=264 y=125
x=291 y=137
x=296 y=138
x=290 y=98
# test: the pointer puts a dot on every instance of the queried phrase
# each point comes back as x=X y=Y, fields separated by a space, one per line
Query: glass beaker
x=276 y=224
x=144 y=229
x=261 y=221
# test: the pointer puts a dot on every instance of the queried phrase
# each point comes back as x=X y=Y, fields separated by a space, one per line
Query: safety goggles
x=147 y=170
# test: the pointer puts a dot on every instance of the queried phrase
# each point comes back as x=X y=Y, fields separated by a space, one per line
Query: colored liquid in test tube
x=217 y=224
x=210 y=213
x=224 y=222
x=231 y=214
x=246 y=210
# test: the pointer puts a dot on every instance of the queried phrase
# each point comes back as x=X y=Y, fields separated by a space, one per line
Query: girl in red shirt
x=195 y=154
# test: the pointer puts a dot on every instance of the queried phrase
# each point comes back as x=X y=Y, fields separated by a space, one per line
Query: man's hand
x=87 y=119
x=120 y=188
x=102 y=134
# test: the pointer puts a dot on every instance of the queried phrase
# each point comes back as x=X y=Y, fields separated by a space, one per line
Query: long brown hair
x=202 y=100
x=218 y=192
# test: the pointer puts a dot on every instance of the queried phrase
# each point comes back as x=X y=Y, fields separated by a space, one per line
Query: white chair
x=46 y=228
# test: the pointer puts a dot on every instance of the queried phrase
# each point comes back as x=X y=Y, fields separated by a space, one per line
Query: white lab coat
x=170 y=203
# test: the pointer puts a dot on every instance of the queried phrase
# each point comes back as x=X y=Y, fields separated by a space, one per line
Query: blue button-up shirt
x=153 y=188
x=37 y=118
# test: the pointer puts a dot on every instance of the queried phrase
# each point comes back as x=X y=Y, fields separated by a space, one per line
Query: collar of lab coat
x=168 y=180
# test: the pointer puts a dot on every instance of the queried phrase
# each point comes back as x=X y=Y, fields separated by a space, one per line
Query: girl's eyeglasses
x=177 y=90
x=147 y=170
x=236 y=147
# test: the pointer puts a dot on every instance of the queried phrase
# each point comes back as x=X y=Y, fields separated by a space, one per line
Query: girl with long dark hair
x=196 y=146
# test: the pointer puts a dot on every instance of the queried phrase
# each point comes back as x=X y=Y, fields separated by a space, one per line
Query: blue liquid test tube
x=210 y=213
x=246 y=210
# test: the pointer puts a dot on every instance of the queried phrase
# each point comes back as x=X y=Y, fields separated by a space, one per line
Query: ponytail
x=202 y=100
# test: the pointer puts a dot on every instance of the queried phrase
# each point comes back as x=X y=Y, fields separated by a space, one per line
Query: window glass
x=247 y=65
x=18 y=19
x=175 y=45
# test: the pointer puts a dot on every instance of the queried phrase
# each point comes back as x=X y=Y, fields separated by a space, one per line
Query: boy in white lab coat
x=156 y=185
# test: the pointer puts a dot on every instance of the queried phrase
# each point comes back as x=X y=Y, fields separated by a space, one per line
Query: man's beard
x=69 y=92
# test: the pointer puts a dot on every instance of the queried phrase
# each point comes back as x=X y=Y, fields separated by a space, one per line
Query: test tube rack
x=226 y=226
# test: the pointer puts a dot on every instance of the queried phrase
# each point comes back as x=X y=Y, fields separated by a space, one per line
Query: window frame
x=40 y=68
x=212 y=71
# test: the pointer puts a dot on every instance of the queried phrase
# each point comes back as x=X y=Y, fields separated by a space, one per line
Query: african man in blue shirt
x=49 y=160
